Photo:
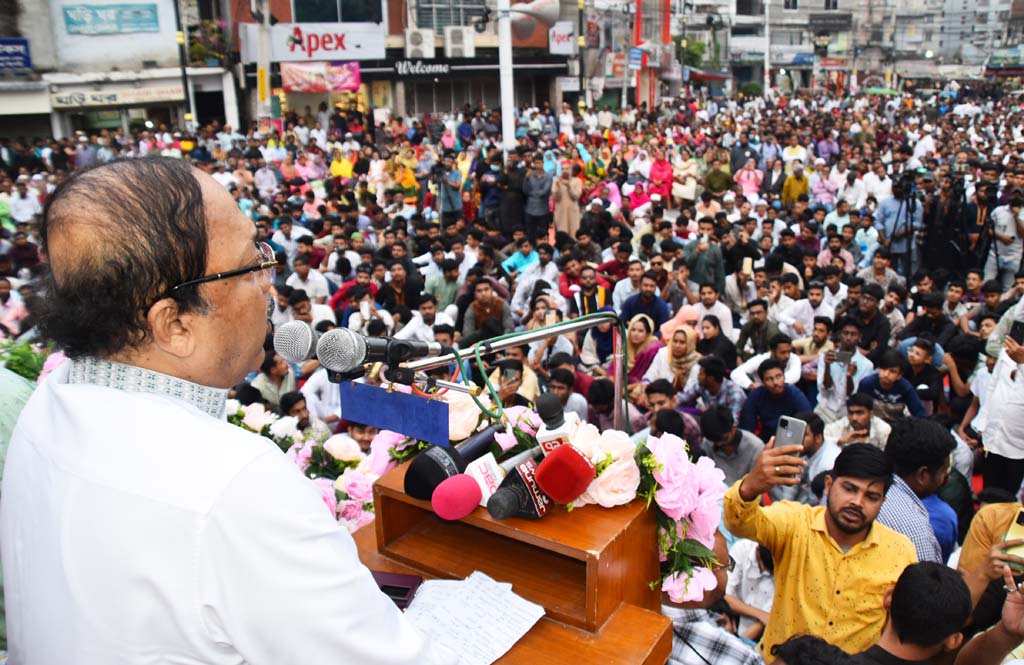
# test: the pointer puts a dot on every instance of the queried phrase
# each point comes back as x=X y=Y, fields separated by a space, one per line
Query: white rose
x=617 y=444
x=463 y=414
x=285 y=427
x=587 y=439
x=232 y=407
x=617 y=485
x=343 y=448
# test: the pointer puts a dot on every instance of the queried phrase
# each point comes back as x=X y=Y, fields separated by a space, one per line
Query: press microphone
x=519 y=495
x=458 y=495
x=565 y=474
x=428 y=469
x=296 y=341
x=342 y=350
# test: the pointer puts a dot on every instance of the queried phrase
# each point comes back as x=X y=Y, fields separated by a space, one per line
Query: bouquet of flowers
x=341 y=471
x=687 y=499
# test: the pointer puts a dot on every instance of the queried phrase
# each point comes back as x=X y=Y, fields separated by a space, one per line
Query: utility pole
x=190 y=111
x=767 y=49
x=581 y=43
x=891 y=72
x=508 y=119
x=260 y=10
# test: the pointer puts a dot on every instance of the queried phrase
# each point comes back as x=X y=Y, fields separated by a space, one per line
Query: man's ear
x=887 y=598
x=953 y=642
x=172 y=331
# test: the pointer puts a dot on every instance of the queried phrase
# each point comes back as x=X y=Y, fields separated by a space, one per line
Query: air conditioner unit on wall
x=458 y=42
x=419 y=43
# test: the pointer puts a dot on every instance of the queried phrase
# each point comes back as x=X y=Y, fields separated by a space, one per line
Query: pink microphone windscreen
x=456 y=497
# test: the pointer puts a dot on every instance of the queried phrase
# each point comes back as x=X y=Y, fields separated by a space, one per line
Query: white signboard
x=311 y=42
x=568 y=84
x=562 y=38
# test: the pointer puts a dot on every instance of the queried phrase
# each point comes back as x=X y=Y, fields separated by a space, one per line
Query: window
x=436 y=14
x=749 y=8
x=334 y=11
x=831 y=5
x=789 y=4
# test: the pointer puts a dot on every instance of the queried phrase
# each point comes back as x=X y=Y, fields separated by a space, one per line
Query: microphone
x=519 y=495
x=432 y=466
x=342 y=350
x=455 y=498
x=565 y=474
x=296 y=341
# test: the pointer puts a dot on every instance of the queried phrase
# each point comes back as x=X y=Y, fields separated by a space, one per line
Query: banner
x=320 y=77
x=562 y=38
x=110 y=19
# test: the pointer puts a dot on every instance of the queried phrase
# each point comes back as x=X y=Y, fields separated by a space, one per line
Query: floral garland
x=686 y=496
x=339 y=469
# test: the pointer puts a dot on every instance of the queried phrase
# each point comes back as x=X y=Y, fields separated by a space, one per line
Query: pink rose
x=617 y=485
x=326 y=486
x=670 y=452
x=691 y=588
x=380 y=451
x=300 y=453
x=343 y=448
x=256 y=417
x=353 y=516
x=704 y=521
x=710 y=479
x=678 y=500
x=507 y=440
x=357 y=486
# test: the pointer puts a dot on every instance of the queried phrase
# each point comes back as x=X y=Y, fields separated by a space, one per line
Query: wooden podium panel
x=630 y=636
x=580 y=566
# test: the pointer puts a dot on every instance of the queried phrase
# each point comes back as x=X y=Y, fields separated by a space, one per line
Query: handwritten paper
x=478 y=618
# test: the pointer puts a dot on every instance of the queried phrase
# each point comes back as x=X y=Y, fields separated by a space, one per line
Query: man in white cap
x=926 y=144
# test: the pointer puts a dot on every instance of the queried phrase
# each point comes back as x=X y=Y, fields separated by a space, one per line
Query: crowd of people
x=850 y=262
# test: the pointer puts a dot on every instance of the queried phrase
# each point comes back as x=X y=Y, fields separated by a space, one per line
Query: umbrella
x=882 y=91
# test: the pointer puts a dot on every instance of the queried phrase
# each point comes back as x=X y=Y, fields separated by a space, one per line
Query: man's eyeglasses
x=729 y=566
x=264 y=267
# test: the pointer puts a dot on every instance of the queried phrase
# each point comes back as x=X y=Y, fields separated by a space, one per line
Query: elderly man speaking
x=138 y=526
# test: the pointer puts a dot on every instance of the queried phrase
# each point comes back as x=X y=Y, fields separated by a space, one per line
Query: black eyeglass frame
x=265 y=250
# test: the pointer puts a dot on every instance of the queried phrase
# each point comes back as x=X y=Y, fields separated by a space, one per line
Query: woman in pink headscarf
x=660 y=181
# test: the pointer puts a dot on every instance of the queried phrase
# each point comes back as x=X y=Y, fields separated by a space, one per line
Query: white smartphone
x=790 y=432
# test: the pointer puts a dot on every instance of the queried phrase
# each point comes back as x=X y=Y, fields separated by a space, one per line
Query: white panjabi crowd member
x=135 y=517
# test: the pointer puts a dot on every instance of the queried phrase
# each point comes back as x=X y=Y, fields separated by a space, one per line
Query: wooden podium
x=590 y=570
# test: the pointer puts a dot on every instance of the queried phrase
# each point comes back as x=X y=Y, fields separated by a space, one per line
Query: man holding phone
x=840 y=370
x=836 y=560
x=820 y=455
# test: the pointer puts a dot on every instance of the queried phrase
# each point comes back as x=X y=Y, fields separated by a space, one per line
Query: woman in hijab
x=676 y=362
x=597 y=168
x=617 y=169
x=661 y=177
x=641 y=347
x=551 y=164
x=714 y=343
x=684 y=178
x=640 y=168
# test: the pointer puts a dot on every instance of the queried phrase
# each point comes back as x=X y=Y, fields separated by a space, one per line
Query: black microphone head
x=341 y=350
x=295 y=341
x=428 y=469
x=504 y=503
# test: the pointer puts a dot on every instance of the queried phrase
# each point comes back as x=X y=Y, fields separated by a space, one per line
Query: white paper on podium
x=478 y=618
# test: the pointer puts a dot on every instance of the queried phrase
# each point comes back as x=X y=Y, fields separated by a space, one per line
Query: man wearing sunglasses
x=134 y=517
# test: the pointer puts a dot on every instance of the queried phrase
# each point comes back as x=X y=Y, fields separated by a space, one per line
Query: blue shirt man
x=771 y=400
x=647 y=302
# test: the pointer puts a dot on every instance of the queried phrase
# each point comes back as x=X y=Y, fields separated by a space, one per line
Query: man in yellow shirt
x=833 y=562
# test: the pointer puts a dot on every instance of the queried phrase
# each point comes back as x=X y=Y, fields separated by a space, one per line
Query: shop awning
x=702 y=75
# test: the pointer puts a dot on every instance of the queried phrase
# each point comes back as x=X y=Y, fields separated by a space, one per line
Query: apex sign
x=312 y=42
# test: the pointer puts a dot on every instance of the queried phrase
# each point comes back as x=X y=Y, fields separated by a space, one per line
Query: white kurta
x=137 y=528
